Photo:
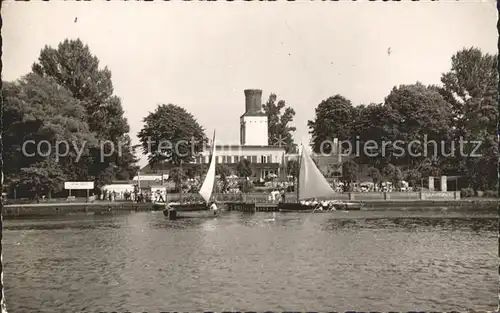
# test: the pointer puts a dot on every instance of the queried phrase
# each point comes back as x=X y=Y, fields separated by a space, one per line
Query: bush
x=467 y=192
x=194 y=189
x=491 y=194
x=246 y=186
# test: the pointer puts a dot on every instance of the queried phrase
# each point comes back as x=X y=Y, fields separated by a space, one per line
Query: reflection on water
x=376 y=261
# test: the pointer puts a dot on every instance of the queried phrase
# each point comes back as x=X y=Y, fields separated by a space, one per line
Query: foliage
x=433 y=119
x=471 y=87
x=375 y=175
x=467 y=192
x=393 y=174
x=334 y=119
x=491 y=194
x=38 y=109
x=171 y=134
x=413 y=177
x=244 y=168
x=246 y=186
x=199 y=170
x=416 y=113
x=73 y=66
x=224 y=171
x=278 y=123
x=42 y=177
x=349 y=172
x=292 y=168
x=177 y=175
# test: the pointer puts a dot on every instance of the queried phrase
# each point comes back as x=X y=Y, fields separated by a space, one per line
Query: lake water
x=374 y=260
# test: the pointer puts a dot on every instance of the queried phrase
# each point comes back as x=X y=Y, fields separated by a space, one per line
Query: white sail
x=208 y=185
x=312 y=184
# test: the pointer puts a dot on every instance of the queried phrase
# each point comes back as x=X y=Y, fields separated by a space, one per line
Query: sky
x=202 y=55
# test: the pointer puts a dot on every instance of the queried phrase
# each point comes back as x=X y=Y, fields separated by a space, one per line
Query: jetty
x=254 y=203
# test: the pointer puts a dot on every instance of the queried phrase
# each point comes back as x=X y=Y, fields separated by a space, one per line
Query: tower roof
x=254 y=113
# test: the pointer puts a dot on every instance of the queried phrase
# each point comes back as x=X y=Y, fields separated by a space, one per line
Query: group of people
x=278 y=195
x=112 y=195
x=320 y=205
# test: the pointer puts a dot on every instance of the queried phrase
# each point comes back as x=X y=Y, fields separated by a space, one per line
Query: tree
x=375 y=175
x=73 y=66
x=471 y=86
x=197 y=171
x=37 y=109
x=417 y=113
x=223 y=171
x=393 y=174
x=292 y=168
x=244 y=168
x=334 y=119
x=349 y=173
x=42 y=177
x=177 y=176
x=171 y=134
x=413 y=176
x=280 y=131
x=371 y=126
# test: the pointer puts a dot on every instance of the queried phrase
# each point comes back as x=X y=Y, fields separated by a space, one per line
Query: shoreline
x=111 y=208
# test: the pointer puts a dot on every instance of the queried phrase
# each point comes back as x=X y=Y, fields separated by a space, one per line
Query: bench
x=71 y=199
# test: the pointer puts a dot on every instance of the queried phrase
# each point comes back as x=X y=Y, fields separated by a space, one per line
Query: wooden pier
x=241 y=207
x=266 y=207
x=251 y=207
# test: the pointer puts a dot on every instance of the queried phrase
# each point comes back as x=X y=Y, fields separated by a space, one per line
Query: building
x=264 y=159
x=254 y=146
x=254 y=142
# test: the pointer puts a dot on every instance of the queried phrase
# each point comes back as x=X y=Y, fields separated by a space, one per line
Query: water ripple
x=380 y=261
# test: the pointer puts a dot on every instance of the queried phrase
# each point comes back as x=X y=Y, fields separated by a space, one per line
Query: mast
x=180 y=199
x=298 y=174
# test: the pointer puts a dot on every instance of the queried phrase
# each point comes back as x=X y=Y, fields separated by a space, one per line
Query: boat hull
x=187 y=207
x=299 y=207
x=176 y=211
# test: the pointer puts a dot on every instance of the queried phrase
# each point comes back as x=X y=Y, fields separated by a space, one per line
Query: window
x=224 y=159
x=263 y=159
x=236 y=159
x=254 y=159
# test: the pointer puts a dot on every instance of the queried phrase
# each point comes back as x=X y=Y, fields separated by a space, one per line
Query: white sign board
x=150 y=178
x=79 y=185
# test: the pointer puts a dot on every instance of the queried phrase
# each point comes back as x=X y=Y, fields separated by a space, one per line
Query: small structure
x=444 y=183
x=431 y=183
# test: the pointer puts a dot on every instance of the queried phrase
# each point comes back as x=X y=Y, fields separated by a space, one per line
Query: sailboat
x=200 y=209
x=311 y=188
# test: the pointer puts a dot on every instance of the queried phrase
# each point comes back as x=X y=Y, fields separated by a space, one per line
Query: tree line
x=67 y=97
x=67 y=101
x=463 y=108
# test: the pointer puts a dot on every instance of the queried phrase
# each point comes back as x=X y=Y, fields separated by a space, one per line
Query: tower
x=253 y=124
